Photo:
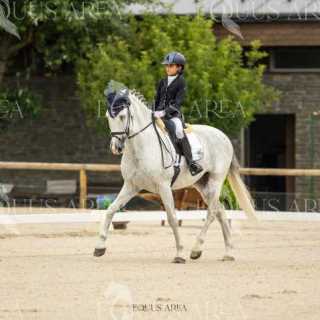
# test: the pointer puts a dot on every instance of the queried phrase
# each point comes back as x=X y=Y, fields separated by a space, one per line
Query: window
x=295 y=59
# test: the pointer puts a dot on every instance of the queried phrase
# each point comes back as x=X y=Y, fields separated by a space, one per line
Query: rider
x=168 y=100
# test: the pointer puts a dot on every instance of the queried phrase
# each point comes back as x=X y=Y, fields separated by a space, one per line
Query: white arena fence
x=88 y=216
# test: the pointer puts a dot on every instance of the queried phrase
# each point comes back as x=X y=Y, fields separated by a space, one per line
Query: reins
x=127 y=129
x=126 y=132
x=161 y=143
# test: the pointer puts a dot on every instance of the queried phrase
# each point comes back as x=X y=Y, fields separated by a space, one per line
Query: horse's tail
x=240 y=190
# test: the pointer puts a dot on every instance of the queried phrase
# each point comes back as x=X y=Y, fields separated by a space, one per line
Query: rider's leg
x=194 y=167
x=170 y=126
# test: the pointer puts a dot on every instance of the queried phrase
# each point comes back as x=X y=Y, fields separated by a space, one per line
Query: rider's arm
x=180 y=94
x=175 y=104
x=158 y=96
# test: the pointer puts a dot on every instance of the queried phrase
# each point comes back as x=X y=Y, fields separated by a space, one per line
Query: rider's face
x=172 y=69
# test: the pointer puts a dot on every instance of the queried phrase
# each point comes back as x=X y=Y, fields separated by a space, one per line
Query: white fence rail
x=95 y=215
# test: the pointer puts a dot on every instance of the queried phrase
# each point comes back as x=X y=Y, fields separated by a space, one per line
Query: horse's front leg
x=127 y=192
x=168 y=202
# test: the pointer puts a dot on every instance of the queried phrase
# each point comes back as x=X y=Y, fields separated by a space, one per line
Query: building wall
x=276 y=33
x=301 y=96
x=60 y=134
x=300 y=91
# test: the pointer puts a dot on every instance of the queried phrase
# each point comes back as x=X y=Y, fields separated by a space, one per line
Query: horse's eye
x=122 y=117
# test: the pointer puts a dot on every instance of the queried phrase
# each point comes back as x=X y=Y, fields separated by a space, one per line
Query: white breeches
x=178 y=127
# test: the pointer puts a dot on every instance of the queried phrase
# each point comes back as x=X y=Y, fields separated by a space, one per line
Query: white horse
x=142 y=169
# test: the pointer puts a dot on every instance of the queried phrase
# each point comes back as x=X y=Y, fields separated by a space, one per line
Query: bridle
x=126 y=131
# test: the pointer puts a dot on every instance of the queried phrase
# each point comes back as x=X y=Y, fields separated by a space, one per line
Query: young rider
x=168 y=100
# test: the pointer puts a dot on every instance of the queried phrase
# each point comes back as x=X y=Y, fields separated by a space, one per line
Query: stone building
x=287 y=134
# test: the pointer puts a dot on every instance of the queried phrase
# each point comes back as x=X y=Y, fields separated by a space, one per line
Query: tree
x=222 y=90
x=60 y=30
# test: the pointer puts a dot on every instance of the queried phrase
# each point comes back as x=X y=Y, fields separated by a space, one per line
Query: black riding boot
x=194 y=167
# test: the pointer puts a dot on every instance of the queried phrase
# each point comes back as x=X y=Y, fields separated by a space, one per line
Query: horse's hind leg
x=126 y=193
x=210 y=191
x=226 y=230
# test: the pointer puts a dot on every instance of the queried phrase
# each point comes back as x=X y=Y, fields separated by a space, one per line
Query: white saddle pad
x=196 y=146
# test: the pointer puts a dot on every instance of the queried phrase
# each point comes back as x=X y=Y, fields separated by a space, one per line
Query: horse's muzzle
x=116 y=146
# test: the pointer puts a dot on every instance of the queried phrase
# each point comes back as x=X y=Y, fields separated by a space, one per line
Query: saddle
x=161 y=125
x=196 y=147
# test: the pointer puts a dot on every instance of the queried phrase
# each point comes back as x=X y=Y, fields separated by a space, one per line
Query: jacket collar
x=178 y=76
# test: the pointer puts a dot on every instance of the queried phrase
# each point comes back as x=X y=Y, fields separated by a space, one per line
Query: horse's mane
x=140 y=97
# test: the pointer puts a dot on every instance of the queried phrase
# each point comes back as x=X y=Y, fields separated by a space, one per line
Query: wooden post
x=83 y=189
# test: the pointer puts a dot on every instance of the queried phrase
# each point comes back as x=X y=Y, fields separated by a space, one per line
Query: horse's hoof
x=179 y=260
x=195 y=255
x=228 y=258
x=99 y=252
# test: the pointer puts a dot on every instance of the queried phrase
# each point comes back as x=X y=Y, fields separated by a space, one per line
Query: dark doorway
x=269 y=143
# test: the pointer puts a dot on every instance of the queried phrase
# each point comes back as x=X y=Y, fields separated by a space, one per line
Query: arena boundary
x=136 y=216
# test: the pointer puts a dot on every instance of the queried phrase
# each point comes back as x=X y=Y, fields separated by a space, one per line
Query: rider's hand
x=159 y=114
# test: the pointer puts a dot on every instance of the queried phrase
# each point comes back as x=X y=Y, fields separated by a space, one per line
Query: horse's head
x=122 y=107
x=118 y=115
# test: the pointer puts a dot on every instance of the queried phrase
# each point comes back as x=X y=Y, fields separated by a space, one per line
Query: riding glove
x=159 y=114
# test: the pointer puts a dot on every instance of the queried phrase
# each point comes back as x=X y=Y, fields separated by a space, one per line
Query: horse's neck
x=141 y=118
x=141 y=115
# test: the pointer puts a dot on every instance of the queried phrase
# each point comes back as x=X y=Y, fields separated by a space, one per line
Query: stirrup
x=195 y=168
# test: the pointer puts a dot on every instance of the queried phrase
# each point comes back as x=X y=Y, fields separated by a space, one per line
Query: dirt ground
x=48 y=272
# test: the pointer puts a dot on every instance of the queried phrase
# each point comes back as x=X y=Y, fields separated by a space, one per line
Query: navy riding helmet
x=174 y=58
